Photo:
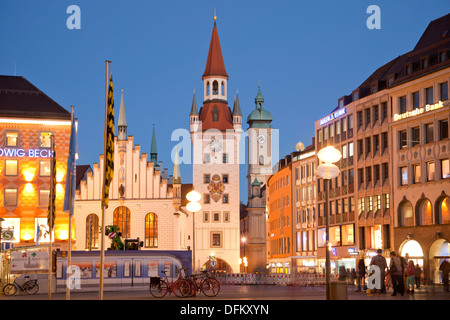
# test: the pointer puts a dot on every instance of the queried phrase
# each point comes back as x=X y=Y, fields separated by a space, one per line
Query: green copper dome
x=259 y=118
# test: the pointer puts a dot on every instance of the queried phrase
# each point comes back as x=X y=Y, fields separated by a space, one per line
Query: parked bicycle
x=160 y=287
x=29 y=286
x=204 y=282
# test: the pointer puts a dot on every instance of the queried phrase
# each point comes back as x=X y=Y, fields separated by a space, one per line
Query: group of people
x=395 y=273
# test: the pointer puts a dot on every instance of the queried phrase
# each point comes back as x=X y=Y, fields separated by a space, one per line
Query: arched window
x=424 y=214
x=261 y=160
x=443 y=210
x=207 y=89
x=151 y=230
x=122 y=220
x=222 y=89
x=215 y=90
x=92 y=231
x=405 y=214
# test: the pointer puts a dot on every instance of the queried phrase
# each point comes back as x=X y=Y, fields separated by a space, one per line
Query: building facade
x=280 y=229
x=28 y=118
x=215 y=134
x=304 y=203
x=144 y=201
x=420 y=156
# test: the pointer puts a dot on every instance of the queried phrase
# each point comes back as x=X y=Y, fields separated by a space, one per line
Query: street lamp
x=327 y=170
x=244 y=258
x=193 y=206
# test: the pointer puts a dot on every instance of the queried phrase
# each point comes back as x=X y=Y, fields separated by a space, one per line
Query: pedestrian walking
x=361 y=275
x=417 y=276
x=410 y=272
x=445 y=268
x=353 y=276
x=381 y=263
x=396 y=272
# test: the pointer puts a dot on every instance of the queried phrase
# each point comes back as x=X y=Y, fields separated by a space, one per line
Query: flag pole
x=50 y=225
x=70 y=175
x=102 y=252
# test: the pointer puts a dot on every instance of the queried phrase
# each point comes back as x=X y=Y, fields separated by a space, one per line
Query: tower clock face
x=215 y=145
x=261 y=138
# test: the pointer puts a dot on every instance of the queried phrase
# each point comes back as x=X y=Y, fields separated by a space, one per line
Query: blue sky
x=306 y=54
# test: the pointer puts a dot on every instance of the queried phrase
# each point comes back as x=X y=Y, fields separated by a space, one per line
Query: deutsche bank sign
x=31 y=153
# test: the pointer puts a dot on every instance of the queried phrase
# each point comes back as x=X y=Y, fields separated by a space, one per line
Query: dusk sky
x=306 y=54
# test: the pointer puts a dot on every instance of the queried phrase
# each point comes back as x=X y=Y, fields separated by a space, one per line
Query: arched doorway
x=221 y=266
x=413 y=251
x=439 y=251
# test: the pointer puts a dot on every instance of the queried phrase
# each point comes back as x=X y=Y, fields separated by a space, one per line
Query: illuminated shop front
x=28 y=119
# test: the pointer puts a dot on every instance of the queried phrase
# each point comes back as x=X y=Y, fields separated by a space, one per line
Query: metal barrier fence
x=274 y=279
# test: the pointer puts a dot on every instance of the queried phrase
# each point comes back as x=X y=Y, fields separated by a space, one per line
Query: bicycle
x=160 y=287
x=30 y=287
x=205 y=283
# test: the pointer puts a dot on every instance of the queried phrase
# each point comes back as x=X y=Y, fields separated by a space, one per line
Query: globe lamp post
x=327 y=170
x=193 y=206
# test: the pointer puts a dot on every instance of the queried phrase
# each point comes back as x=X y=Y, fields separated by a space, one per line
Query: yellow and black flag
x=52 y=195
x=109 y=145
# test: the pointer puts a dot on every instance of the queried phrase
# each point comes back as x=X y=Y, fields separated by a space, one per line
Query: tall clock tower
x=215 y=133
x=259 y=166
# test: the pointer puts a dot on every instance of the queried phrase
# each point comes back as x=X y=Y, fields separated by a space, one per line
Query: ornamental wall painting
x=216 y=188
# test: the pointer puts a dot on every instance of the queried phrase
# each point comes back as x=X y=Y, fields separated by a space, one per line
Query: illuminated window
x=406 y=214
x=376 y=237
x=10 y=197
x=151 y=230
x=122 y=220
x=44 y=197
x=443 y=207
x=417 y=173
x=425 y=213
x=45 y=140
x=348 y=236
x=11 y=167
x=44 y=168
x=92 y=226
x=445 y=170
x=42 y=230
x=12 y=138
x=430 y=171
x=404 y=176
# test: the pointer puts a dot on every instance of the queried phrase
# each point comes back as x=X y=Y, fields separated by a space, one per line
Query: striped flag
x=52 y=196
x=109 y=145
x=69 y=196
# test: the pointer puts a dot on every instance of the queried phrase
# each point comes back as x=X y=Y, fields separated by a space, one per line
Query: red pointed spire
x=214 y=63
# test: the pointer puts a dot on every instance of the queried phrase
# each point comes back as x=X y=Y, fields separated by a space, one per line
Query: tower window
x=215 y=113
x=215 y=88
x=207 y=89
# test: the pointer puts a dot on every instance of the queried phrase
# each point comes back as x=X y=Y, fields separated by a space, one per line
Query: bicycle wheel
x=210 y=287
x=159 y=290
x=181 y=288
x=10 y=290
x=31 y=287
